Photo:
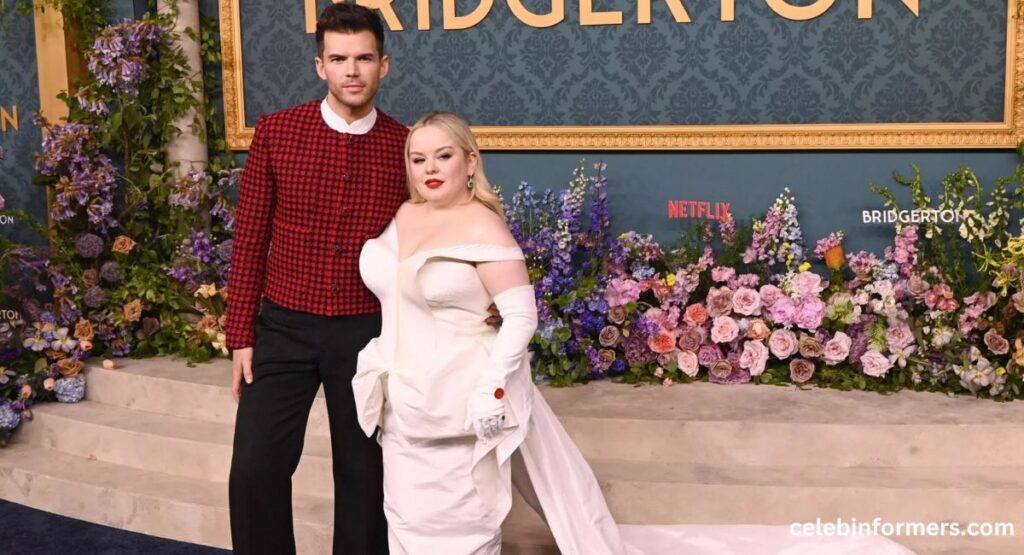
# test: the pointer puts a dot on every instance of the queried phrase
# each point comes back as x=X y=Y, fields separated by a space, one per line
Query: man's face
x=353 y=68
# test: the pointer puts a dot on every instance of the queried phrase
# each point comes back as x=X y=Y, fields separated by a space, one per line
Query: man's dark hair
x=349 y=18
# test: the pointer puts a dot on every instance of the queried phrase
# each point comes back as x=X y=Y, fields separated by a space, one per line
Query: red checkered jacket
x=310 y=197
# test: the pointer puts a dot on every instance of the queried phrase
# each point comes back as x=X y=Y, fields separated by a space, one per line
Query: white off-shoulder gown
x=447 y=493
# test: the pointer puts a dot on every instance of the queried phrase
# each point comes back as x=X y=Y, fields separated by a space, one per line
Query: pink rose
x=754 y=357
x=996 y=343
x=782 y=343
x=692 y=338
x=800 y=370
x=617 y=315
x=722 y=273
x=1018 y=301
x=660 y=317
x=837 y=348
x=917 y=285
x=746 y=301
x=724 y=329
x=687 y=361
x=807 y=284
x=609 y=336
x=898 y=335
x=661 y=341
x=695 y=315
x=758 y=330
x=721 y=369
x=875 y=364
x=719 y=301
x=770 y=294
x=809 y=313
x=607 y=357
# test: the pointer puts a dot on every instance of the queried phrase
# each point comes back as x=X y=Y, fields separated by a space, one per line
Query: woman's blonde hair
x=462 y=135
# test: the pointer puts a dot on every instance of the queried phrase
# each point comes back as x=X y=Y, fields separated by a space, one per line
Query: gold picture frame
x=817 y=136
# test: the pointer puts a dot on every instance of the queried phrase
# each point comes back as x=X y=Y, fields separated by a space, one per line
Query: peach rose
x=758 y=330
x=69 y=367
x=133 y=311
x=661 y=342
x=695 y=315
x=123 y=244
x=48 y=384
x=84 y=331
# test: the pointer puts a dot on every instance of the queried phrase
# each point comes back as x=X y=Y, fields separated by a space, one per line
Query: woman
x=459 y=415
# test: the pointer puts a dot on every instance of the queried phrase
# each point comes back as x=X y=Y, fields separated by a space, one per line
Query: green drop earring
x=470 y=184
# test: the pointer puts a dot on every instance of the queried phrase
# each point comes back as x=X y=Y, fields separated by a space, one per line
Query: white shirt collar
x=360 y=126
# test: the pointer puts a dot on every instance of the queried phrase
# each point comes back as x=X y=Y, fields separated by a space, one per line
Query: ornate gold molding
x=980 y=135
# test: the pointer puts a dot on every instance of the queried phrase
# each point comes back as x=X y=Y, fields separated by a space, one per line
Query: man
x=321 y=179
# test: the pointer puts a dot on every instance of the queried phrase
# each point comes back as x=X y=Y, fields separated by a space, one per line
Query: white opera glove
x=486 y=410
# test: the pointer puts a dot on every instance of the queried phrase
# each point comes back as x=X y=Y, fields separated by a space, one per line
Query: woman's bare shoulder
x=487 y=227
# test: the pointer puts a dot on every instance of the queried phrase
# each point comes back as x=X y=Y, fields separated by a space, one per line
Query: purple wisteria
x=119 y=56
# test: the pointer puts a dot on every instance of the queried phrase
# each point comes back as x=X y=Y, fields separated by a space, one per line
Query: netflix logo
x=698 y=209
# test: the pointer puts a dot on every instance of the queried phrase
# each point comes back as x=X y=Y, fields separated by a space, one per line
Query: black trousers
x=294 y=353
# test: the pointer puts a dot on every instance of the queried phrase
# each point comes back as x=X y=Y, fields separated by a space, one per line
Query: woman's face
x=438 y=168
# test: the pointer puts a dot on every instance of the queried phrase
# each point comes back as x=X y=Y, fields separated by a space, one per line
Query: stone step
x=155 y=503
x=174 y=507
x=746 y=425
x=171 y=386
x=159 y=442
x=637 y=492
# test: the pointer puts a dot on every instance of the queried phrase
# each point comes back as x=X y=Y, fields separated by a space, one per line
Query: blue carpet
x=27 y=531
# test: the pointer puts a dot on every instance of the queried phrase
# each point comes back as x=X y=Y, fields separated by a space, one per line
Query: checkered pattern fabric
x=310 y=198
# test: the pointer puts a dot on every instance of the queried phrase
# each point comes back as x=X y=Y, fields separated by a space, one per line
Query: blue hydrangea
x=70 y=390
x=9 y=419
